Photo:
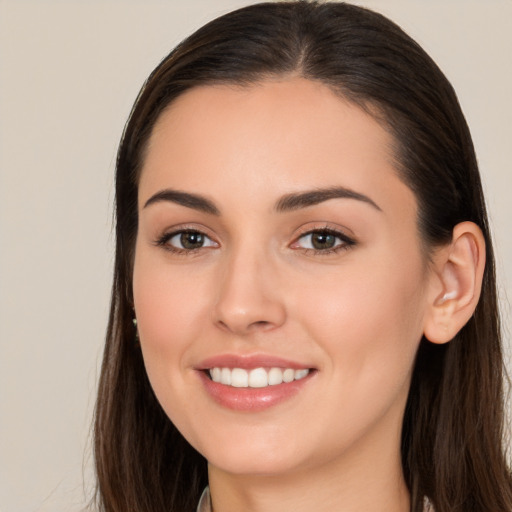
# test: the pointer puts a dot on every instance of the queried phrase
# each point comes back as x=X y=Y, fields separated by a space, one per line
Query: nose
x=249 y=298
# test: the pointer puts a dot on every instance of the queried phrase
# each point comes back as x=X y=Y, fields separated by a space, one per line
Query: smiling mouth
x=257 y=377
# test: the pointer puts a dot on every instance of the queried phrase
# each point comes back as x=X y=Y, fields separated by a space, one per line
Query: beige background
x=69 y=72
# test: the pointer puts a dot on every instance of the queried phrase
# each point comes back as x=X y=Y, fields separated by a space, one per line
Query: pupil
x=191 y=240
x=323 y=240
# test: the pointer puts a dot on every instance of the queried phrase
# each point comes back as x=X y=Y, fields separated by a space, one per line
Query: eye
x=323 y=240
x=186 y=240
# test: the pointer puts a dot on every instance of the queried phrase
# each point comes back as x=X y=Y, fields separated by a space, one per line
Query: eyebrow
x=292 y=202
x=289 y=202
x=187 y=199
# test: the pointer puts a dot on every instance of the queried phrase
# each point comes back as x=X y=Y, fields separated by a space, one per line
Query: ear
x=455 y=283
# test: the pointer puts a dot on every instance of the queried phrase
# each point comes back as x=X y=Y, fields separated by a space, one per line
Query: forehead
x=269 y=138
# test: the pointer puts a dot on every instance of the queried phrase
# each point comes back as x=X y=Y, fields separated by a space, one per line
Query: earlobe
x=456 y=283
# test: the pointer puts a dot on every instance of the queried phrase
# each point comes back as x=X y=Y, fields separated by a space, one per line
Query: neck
x=367 y=477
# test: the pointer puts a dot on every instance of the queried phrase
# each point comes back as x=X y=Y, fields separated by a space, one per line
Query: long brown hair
x=452 y=438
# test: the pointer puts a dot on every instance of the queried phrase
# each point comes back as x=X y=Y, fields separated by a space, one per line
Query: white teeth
x=275 y=376
x=239 y=378
x=300 y=374
x=256 y=378
x=216 y=372
x=288 y=375
x=225 y=376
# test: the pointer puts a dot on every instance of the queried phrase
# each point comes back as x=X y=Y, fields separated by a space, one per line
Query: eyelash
x=163 y=241
x=347 y=242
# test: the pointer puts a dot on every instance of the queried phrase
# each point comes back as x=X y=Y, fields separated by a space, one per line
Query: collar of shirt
x=205 y=504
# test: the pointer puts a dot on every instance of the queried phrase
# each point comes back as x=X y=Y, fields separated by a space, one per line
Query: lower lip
x=252 y=399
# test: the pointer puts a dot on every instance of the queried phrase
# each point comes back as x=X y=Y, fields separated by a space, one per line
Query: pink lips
x=248 y=362
x=251 y=399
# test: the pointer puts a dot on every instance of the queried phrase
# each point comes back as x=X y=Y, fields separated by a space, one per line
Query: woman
x=302 y=245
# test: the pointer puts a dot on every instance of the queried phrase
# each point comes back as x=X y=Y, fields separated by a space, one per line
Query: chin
x=252 y=455
x=245 y=464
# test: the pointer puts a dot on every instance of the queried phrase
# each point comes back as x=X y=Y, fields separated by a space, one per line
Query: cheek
x=166 y=296
x=368 y=324
x=368 y=318
x=169 y=307
x=170 y=312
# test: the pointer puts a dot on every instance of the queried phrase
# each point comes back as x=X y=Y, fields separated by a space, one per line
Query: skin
x=355 y=315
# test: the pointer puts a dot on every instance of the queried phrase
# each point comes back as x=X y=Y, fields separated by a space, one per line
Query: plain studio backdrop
x=69 y=73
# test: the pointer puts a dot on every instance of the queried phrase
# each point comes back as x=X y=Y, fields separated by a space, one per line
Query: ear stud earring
x=134 y=321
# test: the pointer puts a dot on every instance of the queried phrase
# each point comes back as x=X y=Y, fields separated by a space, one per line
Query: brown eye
x=191 y=240
x=187 y=241
x=321 y=240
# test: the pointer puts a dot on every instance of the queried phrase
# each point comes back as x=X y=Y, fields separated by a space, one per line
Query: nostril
x=259 y=325
x=248 y=313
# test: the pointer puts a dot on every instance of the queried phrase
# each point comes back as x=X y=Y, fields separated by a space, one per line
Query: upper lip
x=249 y=362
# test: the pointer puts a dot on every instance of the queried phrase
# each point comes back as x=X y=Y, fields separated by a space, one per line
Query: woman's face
x=278 y=251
